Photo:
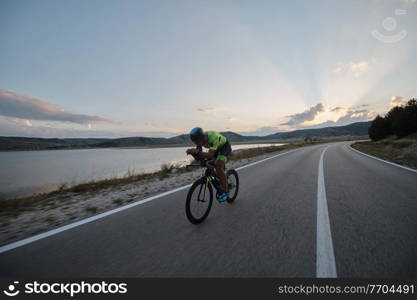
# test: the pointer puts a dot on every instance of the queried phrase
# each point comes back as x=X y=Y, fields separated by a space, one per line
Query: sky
x=112 y=68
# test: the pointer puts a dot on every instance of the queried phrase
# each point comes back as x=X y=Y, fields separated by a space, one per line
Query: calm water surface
x=25 y=172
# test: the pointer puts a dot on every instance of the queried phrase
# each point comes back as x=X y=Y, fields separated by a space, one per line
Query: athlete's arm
x=208 y=155
x=192 y=151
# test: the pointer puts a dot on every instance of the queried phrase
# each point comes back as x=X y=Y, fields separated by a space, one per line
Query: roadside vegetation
x=23 y=203
x=402 y=151
x=394 y=136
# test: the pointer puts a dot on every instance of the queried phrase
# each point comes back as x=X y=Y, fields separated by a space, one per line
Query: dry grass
x=16 y=205
x=92 y=209
x=402 y=151
x=251 y=152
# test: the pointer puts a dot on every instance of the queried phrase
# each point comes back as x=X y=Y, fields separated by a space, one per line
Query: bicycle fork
x=204 y=192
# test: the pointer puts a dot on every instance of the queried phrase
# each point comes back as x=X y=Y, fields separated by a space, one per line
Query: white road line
x=325 y=262
x=84 y=221
x=385 y=161
x=110 y=212
x=265 y=159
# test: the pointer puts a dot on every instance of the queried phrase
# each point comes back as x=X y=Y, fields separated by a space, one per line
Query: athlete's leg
x=220 y=167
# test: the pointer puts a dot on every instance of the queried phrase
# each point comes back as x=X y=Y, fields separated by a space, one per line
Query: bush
x=402 y=144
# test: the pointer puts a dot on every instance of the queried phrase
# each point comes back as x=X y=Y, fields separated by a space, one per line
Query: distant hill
x=23 y=143
x=354 y=129
x=132 y=142
x=231 y=136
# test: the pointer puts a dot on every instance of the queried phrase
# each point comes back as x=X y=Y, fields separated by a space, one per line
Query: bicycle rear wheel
x=199 y=201
x=233 y=185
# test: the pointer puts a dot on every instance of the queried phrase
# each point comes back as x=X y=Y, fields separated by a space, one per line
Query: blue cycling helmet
x=196 y=134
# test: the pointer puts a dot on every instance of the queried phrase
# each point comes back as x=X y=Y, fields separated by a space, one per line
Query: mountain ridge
x=28 y=143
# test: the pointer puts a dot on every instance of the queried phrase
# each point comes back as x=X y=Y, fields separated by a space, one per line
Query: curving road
x=357 y=217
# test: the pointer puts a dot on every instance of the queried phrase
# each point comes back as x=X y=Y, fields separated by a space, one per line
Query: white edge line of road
x=46 y=234
x=385 y=161
x=325 y=261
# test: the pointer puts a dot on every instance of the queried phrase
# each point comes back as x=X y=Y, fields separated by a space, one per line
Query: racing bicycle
x=200 y=195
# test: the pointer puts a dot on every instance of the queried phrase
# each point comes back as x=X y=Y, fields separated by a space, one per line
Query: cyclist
x=219 y=149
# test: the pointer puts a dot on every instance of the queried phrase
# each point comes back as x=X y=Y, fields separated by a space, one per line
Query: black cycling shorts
x=223 y=152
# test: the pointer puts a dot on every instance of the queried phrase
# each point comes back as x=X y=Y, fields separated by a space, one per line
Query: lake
x=26 y=172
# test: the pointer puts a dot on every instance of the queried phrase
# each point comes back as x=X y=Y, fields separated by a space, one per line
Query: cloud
x=319 y=116
x=348 y=115
x=397 y=101
x=355 y=117
x=23 y=107
x=355 y=68
x=210 y=109
x=307 y=115
x=351 y=115
x=342 y=109
x=266 y=130
x=25 y=128
x=337 y=109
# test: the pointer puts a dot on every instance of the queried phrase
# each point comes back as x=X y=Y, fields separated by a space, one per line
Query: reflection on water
x=24 y=172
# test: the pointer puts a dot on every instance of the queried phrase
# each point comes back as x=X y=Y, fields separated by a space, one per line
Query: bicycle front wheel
x=199 y=201
x=233 y=185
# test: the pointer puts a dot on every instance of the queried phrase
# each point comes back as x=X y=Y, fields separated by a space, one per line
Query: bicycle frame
x=205 y=185
x=209 y=177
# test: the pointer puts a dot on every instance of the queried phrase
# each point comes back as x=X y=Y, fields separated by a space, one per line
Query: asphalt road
x=270 y=230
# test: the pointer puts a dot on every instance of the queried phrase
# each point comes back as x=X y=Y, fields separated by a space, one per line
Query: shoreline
x=27 y=216
x=150 y=146
x=276 y=141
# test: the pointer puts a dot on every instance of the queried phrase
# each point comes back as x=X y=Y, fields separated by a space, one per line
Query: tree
x=400 y=120
x=379 y=129
x=404 y=120
x=410 y=117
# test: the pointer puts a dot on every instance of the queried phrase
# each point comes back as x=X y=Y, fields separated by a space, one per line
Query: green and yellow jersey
x=215 y=140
